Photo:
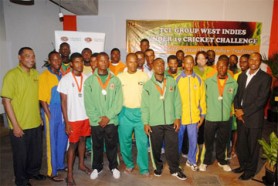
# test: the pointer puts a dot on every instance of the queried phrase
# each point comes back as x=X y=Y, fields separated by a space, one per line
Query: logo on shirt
x=140 y=83
x=171 y=89
x=230 y=90
x=195 y=86
x=112 y=86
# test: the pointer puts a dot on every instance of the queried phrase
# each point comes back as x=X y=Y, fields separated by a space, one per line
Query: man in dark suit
x=253 y=92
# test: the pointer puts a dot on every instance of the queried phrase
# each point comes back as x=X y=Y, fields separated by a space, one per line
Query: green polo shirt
x=22 y=88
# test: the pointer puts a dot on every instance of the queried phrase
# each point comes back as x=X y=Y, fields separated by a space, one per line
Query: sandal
x=55 y=178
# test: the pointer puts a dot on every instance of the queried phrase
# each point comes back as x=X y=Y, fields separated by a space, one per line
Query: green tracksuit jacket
x=97 y=104
x=219 y=110
x=156 y=111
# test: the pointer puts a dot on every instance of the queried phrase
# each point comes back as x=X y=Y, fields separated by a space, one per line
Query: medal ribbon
x=221 y=87
x=161 y=90
x=103 y=86
x=78 y=87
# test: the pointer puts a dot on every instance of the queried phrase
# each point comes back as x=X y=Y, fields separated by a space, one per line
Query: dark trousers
x=201 y=137
x=220 y=129
x=248 y=147
x=109 y=136
x=166 y=134
x=185 y=143
x=27 y=154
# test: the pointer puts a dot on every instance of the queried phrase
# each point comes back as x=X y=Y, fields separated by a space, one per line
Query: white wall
x=3 y=50
x=31 y=26
x=114 y=13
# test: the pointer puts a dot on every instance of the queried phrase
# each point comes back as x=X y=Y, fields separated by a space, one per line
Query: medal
x=220 y=98
x=161 y=90
x=221 y=88
x=79 y=86
x=104 y=85
x=103 y=91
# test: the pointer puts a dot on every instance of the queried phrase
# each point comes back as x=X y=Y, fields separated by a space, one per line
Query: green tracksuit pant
x=130 y=121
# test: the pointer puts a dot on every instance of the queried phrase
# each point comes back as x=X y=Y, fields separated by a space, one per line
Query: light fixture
x=23 y=2
x=61 y=15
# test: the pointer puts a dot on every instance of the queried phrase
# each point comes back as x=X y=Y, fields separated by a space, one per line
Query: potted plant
x=270 y=151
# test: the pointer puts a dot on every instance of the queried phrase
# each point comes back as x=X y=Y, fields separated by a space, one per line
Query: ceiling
x=79 y=7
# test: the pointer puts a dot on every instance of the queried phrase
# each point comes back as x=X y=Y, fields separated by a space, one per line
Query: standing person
x=205 y=72
x=141 y=60
x=192 y=91
x=116 y=66
x=250 y=100
x=20 y=99
x=86 y=54
x=243 y=64
x=180 y=57
x=150 y=56
x=161 y=112
x=64 y=51
x=130 y=117
x=173 y=64
x=220 y=92
x=103 y=102
x=56 y=138
x=211 y=58
x=144 y=45
x=233 y=60
x=77 y=122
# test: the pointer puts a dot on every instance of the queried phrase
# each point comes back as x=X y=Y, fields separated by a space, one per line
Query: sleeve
x=8 y=88
x=90 y=106
x=177 y=102
x=237 y=100
x=63 y=85
x=43 y=92
x=118 y=101
x=261 y=99
x=145 y=107
x=203 y=105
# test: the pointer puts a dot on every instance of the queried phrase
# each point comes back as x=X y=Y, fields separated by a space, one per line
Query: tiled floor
x=212 y=177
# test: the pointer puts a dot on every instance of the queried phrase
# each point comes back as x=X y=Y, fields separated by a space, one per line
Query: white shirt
x=250 y=76
x=75 y=102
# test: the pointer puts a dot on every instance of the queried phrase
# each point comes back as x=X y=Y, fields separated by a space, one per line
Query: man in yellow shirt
x=116 y=66
x=130 y=117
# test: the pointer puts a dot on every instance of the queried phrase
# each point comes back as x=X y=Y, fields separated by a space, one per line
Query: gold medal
x=161 y=97
x=80 y=95
x=220 y=98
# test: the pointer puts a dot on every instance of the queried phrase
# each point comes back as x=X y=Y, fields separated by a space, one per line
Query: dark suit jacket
x=254 y=98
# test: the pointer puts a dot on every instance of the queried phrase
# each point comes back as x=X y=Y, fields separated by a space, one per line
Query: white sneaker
x=116 y=173
x=193 y=167
x=94 y=174
x=226 y=167
x=203 y=167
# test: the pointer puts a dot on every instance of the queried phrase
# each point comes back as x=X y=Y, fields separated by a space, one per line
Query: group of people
x=90 y=102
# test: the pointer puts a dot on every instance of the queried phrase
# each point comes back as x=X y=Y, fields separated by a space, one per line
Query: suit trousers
x=248 y=147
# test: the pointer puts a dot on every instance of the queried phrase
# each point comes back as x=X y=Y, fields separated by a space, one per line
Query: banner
x=80 y=40
x=166 y=37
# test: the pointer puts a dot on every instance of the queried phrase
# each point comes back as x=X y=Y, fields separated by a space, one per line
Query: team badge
x=230 y=90
x=112 y=86
x=171 y=89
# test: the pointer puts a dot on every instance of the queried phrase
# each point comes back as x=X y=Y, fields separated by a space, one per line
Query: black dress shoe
x=246 y=176
x=238 y=170
x=39 y=177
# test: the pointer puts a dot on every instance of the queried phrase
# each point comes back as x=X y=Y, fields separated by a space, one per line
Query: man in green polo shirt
x=20 y=99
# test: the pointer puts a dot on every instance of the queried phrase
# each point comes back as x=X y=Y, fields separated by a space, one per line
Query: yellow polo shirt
x=22 y=88
x=132 y=86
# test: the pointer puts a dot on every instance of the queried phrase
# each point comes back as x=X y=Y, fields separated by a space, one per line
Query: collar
x=248 y=72
x=23 y=71
x=184 y=75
